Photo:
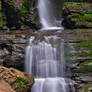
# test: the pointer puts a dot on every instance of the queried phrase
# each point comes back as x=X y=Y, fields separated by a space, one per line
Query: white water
x=42 y=59
x=45 y=60
x=47 y=15
x=49 y=85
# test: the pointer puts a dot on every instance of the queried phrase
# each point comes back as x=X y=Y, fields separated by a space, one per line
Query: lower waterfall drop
x=45 y=60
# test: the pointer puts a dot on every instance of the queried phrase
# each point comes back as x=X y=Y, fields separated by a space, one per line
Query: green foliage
x=24 y=9
x=85 y=19
x=13 y=28
x=80 y=13
x=87 y=87
x=21 y=81
x=88 y=15
x=26 y=6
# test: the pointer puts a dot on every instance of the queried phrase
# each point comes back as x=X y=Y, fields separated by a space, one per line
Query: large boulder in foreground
x=77 y=15
x=5 y=87
x=15 y=80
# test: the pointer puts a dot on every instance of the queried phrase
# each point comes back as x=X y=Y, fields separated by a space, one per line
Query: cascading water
x=45 y=56
x=45 y=60
x=42 y=59
x=47 y=13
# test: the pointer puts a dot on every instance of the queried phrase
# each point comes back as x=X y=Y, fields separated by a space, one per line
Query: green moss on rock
x=85 y=48
x=19 y=81
x=87 y=87
x=18 y=14
x=2 y=24
x=79 y=13
x=85 y=68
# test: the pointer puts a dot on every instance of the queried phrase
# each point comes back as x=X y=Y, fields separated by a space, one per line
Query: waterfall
x=48 y=14
x=45 y=60
x=42 y=59
x=45 y=56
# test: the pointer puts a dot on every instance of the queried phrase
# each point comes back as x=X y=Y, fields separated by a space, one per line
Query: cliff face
x=18 y=14
x=77 y=15
x=80 y=41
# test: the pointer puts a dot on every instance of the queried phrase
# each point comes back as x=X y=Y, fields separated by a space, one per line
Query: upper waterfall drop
x=49 y=17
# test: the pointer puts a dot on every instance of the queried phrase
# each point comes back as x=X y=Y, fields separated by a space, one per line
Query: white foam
x=53 y=28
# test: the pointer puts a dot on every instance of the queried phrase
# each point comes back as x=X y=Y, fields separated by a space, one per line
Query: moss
x=87 y=87
x=13 y=28
x=1 y=19
x=25 y=8
x=85 y=69
x=16 y=13
x=26 y=5
x=85 y=66
x=21 y=84
x=79 y=13
x=85 y=47
x=82 y=20
x=21 y=81
x=88 y=15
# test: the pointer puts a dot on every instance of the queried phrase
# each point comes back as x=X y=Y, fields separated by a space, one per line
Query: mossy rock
x=2 y=23
x=82 y=20
x=87 y=87
x=84 y=48
x=18 y=14
x=0 y=16
x=19 y=81
x=78 y=13
x=86 y=66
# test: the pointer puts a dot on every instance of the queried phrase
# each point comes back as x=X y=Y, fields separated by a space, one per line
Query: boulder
x=15 y=80
x=5 y=87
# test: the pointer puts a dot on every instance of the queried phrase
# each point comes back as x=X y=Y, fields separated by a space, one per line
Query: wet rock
x=86 y=79
x=90 y=89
